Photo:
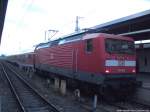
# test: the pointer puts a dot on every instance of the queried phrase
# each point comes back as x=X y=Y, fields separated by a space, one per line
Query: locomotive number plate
x=121 y=63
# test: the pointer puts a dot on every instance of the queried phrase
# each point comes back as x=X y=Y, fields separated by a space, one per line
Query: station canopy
x=136 y=26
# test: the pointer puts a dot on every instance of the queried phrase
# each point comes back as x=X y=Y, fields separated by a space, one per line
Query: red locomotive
x=91 y=58
x=96 y=59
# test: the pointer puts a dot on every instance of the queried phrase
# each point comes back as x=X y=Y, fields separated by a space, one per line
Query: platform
x=145 y=78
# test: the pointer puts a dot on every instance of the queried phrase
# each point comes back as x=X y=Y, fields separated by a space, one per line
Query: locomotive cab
x=120 y=64
x=120 y=56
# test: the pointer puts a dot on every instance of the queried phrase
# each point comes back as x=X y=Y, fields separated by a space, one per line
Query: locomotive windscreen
x=119 y=46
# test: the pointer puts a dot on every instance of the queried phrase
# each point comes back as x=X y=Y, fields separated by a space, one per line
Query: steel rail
x=53 y=108
x=141 y=104
x=13 y=90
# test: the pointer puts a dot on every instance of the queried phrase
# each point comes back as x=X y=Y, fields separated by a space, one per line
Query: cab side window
x=89 y=45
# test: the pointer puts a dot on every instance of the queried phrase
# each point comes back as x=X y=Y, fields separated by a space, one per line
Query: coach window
x=89 y=45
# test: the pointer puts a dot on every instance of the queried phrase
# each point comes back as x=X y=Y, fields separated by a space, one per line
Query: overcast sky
x=27 y=20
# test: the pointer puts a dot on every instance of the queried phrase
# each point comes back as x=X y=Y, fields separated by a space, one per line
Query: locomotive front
x=120 y=64
x=120 y=56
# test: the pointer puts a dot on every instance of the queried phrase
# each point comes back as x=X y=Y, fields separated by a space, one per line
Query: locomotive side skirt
x=96 y=79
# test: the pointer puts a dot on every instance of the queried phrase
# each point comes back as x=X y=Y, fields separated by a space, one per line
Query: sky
x=27 y=21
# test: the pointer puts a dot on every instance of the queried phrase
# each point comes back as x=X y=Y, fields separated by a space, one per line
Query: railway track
x=102 y=105
x=8 y=102
x=142 y=97
x=116 y=106
x=131 y=106
x=28 y=98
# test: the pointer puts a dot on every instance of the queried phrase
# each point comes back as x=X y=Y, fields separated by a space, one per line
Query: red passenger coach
x=98 y=59
x=25 y=60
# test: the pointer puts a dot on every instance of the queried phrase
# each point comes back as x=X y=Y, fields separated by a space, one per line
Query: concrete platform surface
x=145 y=78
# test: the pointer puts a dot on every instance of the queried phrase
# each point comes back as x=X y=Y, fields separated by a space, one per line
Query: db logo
x=121 y=63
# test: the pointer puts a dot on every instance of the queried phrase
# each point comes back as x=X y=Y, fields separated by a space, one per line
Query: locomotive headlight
x=107 y=71
x=133 y=71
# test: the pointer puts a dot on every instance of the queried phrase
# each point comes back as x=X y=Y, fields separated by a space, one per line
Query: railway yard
x=29 y=92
